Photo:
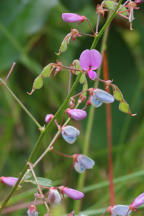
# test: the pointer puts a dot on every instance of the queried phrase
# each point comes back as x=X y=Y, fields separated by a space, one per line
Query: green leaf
x=124 y=107
x=47 y=70
x=38 y=83
x=64 y=43
x=43 y=182
x=117 y=93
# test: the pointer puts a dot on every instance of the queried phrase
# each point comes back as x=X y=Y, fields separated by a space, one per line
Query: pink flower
x=138 y=201
x=90 y=60
x=72 y=193
x=138 y=1
x=48 y=118
x=11 y=181
x=77 y=114
x=72 y=18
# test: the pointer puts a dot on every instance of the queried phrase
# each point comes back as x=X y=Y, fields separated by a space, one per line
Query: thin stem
x=39 y=189
x=47 y=149
x=87 y=35
x=109 y=133
x=62 y=154
x=97 y=24
x=70 y=79
x=20 y=103
x=90 y=26
x=9 y=73
x=58 y=113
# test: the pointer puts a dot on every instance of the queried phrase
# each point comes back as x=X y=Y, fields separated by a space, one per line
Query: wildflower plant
x=74 y=108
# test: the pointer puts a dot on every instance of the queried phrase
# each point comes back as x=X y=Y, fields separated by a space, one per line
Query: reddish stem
x=62 y=154
x=109 y=132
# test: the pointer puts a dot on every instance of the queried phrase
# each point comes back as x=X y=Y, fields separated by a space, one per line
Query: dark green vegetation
x=31 y=32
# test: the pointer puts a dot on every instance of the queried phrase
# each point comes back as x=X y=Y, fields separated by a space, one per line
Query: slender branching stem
x=39 y=188
x=62 y=154
x=58 y=113
x=9 y=73
x=21 y=104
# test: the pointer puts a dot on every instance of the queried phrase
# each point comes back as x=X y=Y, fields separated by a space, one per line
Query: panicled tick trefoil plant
x=87 y=67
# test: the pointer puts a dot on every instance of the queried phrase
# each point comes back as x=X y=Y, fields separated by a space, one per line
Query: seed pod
x=37 y=84
x=47 y=70
x=65 y=42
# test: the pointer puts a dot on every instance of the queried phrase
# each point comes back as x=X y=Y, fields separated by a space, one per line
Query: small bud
x=54 y=196
x=96 y=103
x=32 y=211
x=72 y=193
x=82 y=162
x=11 y=181
x=48 y=118
x=77 y=114
x=72 y=18
x=70 y=134
x=121 y=210
x=103 y=96
x=137 y=202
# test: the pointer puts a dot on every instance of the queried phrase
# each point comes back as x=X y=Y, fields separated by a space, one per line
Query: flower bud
x=121 y=210
x=32 y=211
x=82 y=162
x=138 y=201
x=103 y=96
x=72 y=17
x=48 y=118
x=77 y=114
x=96 y=103
x=72 y=193
x=11 y=181
x=70 y=134
x=54 y=196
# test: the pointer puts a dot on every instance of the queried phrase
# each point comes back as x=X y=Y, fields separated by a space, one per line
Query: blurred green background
x=31 y=32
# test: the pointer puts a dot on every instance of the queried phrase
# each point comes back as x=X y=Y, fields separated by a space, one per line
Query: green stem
x=20 y=103
x=60 y=110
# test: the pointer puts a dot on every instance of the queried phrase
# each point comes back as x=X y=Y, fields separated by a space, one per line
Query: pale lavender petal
x=90 y=59
x=54 y=196
x=92 y=75
x=72 y=193
x=70 y=134
x=96 y=103
x=120 y=210
x=32 y=211
x=103 y=96
x=11 y=181
x=76 y=114
x=72 y=17
x=138 y=201
x=87 y=162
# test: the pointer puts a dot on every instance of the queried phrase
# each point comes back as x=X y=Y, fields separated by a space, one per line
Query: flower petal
x=70 y=134
x=120 y=210
x=72 y=17
x=103 y=96
x=96 y=103
x=72 y=193
x=90 y=59
x=92 y=75
x=138 y=201
x=77 y=114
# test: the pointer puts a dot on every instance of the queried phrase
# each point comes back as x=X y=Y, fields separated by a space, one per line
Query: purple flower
x=72 y=193
x=70 y=134
x=77 y=114
x=32 y=211
x=48 y=118
x=103 y=96
x=72 y=18
x=82 y=162
x=138 y=201
x=119 y=210
x=54 y=196
x=11 y=181
x=90 y=60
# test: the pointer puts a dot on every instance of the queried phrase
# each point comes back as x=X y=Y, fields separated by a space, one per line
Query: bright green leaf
x=43 y=182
